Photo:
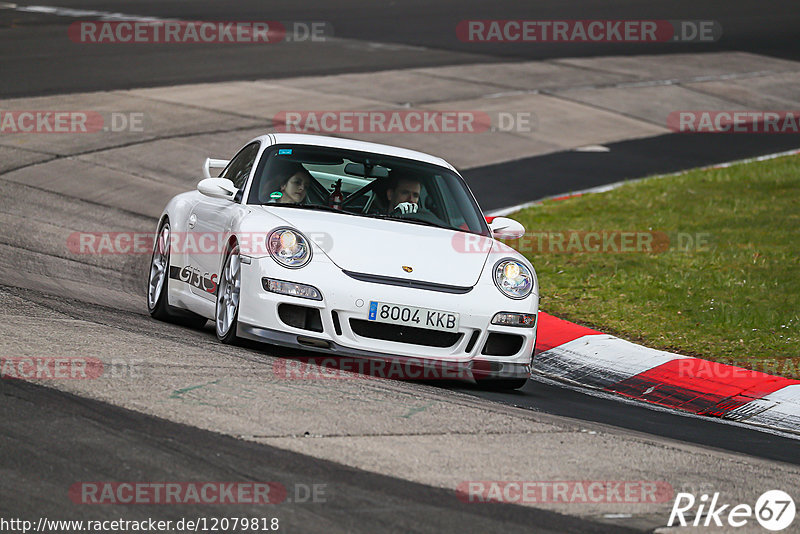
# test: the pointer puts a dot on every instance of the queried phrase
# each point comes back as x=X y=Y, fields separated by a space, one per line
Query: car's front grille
x=472 y=341
x=403 y=282
x=404 y=334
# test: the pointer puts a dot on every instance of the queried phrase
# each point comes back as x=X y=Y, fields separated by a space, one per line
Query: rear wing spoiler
x=215 y=164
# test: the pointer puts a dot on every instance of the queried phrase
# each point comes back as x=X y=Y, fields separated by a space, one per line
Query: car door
x=210 y=221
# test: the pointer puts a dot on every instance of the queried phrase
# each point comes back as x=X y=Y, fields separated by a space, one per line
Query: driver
x=403 y=193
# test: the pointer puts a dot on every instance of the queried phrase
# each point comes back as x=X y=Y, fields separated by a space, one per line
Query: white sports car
x=351 y=249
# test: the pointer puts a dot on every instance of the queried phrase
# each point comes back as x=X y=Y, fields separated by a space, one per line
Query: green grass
x=736 y=300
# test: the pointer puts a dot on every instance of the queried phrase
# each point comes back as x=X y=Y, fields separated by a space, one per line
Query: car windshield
x=365 y=184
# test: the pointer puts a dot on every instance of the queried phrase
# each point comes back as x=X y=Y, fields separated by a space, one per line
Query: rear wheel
x=158 y=285
x=227 y=310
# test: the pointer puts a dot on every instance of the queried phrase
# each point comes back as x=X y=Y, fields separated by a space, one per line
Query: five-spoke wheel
x=227 y=310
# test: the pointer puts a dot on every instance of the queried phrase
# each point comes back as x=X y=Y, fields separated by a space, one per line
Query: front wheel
x=227 y=310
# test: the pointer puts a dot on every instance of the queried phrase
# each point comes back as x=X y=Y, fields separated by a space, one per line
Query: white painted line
x=108 y=16
x=608 y=187
x=748 y=160
x=506 y=94
x=83 y=13
x=374 y=45
x=592 y=148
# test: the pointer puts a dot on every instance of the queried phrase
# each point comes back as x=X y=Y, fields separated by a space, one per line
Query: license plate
x=383 y=312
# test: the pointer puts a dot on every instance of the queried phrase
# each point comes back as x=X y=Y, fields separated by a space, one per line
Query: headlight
x=525 y=320
x=513 y=278
x=289 y=248
x=294 y=289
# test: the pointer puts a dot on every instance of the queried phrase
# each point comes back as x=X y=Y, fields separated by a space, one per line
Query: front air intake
x=502 y=344
x=301 y=317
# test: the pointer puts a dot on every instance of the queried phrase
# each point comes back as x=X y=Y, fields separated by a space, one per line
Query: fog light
x=291 y=288
x=525 y=320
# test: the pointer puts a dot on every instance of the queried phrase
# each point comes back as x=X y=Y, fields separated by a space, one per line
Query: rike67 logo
x=774 y=510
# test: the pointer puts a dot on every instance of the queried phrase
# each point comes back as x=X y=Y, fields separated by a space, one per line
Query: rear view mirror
x=217 y=188
x=359 y=169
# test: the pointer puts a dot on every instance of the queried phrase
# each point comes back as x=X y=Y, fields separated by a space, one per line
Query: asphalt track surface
x=38 y=57
x=502 y=185
x=88 y=430
x=35 y=60
x=545 y=396
x=54 y=439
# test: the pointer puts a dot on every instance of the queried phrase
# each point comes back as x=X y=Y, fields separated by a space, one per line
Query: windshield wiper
x=384 y=216
x=431 y=223
x=416 y=221
x=307 y=207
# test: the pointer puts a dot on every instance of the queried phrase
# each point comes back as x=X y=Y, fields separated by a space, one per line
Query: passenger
x=291 y=182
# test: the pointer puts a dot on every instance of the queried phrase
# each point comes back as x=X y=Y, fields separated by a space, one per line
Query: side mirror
x=217 y=188
x=505 y=228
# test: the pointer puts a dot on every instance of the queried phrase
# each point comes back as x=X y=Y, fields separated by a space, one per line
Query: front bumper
x=345 y=299
x=476 y=369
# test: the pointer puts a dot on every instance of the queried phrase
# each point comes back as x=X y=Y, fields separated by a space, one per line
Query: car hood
x=385 y=248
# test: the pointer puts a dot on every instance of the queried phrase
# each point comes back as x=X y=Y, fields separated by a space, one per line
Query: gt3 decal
x=191 y=275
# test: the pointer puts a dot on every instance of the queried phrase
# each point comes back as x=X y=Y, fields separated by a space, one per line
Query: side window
x=239 y=168
x=450 y=210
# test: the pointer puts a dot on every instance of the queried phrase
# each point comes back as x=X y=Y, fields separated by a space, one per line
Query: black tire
x=160 y=309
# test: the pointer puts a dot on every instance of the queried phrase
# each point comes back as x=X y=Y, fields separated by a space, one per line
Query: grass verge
x=726 y=286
